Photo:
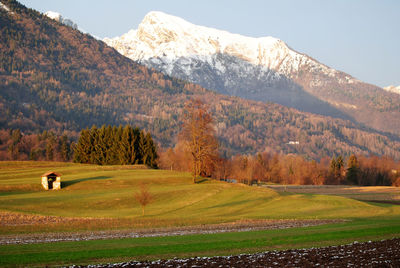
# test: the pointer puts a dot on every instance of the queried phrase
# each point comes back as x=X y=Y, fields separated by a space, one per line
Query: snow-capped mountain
x=393 y=89
x=169 y=38
x=58 y=17
x=264 y=69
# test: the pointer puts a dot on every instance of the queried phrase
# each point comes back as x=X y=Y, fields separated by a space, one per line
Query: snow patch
x=392 y=89
x=58 y=17
x=6 y=8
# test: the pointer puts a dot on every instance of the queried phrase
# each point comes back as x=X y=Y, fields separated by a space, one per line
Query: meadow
x=95 y=198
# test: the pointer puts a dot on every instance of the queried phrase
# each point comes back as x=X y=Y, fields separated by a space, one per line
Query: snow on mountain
x=168 y=37
x=6 y=8
x=393 y=89
x=263 y=69
x=58 y=17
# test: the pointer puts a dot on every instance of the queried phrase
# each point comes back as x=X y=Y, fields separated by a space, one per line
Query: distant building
x=51 y=180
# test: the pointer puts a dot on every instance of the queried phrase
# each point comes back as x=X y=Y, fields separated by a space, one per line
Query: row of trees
x=14 y=145
x=115 y=146
x=197 y=151
x=292 y=169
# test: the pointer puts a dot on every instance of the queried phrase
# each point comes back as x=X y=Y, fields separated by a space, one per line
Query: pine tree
x=51 y=142
x=93 y=141
x=109 y=140
x=115 y=147
x=100 y=146
x=65 y=146
x=150 y=152
x=142 y=148
x=83 y=148
x=136 y=157
x=353 y=169
x=111 y=146
x=125 y=146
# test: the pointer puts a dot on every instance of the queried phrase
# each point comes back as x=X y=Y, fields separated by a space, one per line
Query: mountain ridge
x=187 y=51
x=53 y=77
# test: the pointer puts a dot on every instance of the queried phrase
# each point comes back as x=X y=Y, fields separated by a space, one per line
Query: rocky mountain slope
x=53 y=77
x=263 y=69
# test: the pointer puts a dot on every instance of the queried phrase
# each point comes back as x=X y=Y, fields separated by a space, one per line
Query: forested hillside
x=53 y=77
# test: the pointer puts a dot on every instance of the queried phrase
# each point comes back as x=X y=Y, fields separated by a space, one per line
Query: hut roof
x=51 y=173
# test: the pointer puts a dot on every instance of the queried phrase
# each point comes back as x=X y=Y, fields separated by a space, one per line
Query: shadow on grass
x=201 y=180
x=65 y=184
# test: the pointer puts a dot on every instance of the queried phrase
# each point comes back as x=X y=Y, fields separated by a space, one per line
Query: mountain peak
x=154 y=17
x=163 y=35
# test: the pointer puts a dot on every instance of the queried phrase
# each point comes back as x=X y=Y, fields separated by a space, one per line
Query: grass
x=98 y=198
x=364 y=193
x=116 y=250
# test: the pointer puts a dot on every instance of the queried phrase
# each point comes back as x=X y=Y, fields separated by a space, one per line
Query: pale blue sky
x=359 y=37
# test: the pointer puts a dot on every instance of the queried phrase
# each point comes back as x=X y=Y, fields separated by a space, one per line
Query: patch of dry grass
x=370 y=193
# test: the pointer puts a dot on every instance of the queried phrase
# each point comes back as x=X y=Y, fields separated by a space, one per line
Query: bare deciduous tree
x=143 y=197
x=199 y=138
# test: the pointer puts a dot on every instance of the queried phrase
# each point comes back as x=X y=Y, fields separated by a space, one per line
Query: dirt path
x=385 y=253
x=238 y=226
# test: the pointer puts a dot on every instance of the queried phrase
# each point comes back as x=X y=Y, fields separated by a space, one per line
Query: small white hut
x=51 y=180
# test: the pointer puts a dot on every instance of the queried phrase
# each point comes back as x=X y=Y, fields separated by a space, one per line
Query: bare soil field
x=384 y=194
x=13 y=219
x=385 y=253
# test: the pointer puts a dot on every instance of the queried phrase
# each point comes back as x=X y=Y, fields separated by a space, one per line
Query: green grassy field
x=98 y=198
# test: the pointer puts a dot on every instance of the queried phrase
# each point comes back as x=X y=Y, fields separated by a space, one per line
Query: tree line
x=15 y=145
x=197 y=151
x=291 y=169
x=115 y=146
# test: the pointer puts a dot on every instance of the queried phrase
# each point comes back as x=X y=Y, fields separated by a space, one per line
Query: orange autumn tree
x=143 y=197
x=199 y=139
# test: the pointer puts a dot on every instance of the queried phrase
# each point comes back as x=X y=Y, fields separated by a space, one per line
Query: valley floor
x=95 y=218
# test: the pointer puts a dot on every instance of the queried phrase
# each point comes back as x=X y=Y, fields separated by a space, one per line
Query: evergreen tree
x=111 y=146
x=51 y=141
x=352 y=170
x=136 y=157
x=150 y=153
x=65 y=147
x=115 y=147
x=100 y=148
x=109 y=140
x=126 y=151
x=142 y=148
x=83 y=148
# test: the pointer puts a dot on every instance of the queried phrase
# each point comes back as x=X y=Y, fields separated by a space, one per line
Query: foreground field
x=96 y=198
x=219 y=244
x=384 y=253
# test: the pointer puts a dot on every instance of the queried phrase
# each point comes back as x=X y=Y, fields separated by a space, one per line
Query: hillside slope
x=264 y=69
x=54 y=77
x=88 y=191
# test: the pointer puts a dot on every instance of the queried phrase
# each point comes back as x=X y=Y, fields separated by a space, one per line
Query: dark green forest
x=115 y=146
